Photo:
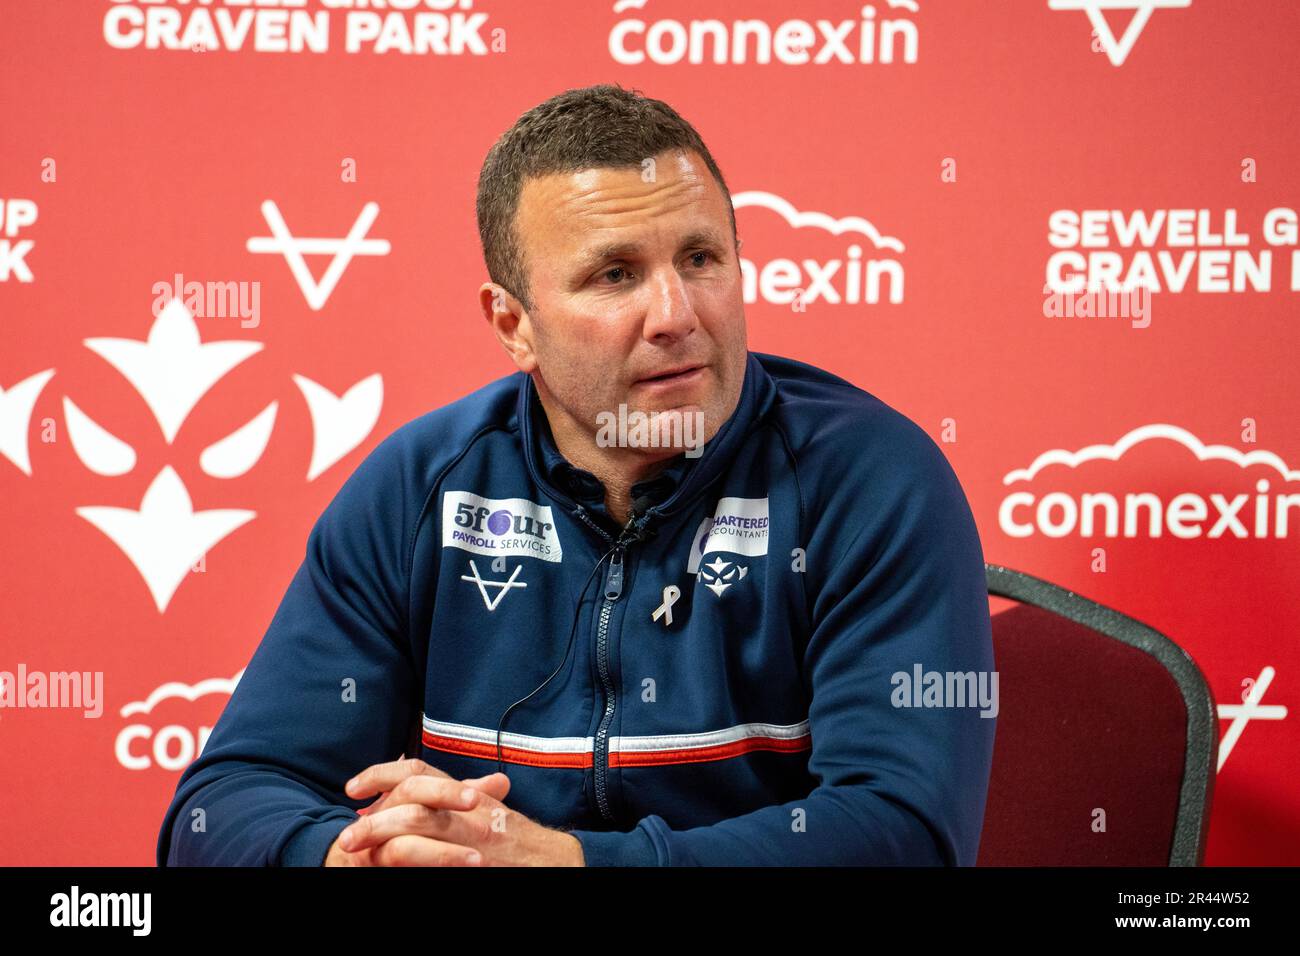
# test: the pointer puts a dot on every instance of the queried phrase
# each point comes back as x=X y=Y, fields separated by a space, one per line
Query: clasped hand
x=425 y=817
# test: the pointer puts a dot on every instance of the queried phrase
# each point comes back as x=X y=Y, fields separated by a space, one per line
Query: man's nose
x=669 y=311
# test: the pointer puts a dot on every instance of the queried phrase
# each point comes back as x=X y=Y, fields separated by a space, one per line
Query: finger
x=384 y=800
x=422 y=805
x=450 y=795
x=384 y=776
x=411 y=818
x=496 y=785
x=439 y=793
x=410 y=850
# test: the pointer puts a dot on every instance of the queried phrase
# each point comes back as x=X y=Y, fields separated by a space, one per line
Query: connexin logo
x=152 y=742
x=751 y=39
x=1230 y=513
x=862 y=274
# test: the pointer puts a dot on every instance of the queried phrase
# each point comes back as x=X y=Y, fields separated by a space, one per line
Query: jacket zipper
x=613 y=591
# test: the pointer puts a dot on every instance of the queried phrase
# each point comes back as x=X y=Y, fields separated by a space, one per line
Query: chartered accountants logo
x=498 y=527
x=1225 y=492
x=737 y=527
x=164 y=536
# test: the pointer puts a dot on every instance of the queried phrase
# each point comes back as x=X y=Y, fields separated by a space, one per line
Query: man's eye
x=700 y=259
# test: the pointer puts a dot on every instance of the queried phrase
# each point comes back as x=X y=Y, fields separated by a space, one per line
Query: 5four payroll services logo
x=497 y=527
x=738 y=526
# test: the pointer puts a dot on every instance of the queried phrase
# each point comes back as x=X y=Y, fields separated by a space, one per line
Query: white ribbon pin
x=665 y=610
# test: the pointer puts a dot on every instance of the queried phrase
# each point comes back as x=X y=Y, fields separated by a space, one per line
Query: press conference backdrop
x=238 y=248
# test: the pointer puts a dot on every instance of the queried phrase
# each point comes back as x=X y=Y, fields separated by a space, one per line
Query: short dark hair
x=602 y=126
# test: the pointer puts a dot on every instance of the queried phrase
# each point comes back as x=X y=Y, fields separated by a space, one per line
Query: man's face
x=633 y=273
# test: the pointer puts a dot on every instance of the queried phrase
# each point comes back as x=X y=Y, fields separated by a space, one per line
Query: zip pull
x=614 y=583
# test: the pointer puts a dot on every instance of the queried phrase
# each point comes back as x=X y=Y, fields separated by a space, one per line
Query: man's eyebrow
x=618 y=250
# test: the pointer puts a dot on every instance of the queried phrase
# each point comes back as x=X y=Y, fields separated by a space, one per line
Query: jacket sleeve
x=896 y=785
x=329 y=691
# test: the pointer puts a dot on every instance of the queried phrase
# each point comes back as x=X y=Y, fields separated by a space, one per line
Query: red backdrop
x=957 y=156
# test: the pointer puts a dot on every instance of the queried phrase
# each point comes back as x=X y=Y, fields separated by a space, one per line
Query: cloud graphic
x=213 y=685
x=820 y=220
x=1202 y=451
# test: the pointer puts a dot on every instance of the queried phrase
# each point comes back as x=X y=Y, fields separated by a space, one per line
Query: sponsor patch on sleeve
x=499 y=526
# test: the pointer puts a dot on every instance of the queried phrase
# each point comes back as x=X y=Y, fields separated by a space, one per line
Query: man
x=728 y=692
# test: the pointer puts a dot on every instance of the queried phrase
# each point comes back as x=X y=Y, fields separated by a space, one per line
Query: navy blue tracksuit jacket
x=728 y=688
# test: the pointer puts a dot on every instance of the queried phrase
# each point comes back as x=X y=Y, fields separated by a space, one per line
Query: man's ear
x=510 y=323
x=495 y=300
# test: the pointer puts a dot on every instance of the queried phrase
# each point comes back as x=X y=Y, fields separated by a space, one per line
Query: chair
x=1098 y=714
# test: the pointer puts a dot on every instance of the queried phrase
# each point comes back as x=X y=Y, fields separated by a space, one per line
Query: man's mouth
x=681 y=373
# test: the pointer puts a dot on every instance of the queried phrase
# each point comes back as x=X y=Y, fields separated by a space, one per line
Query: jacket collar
x=672 y=489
